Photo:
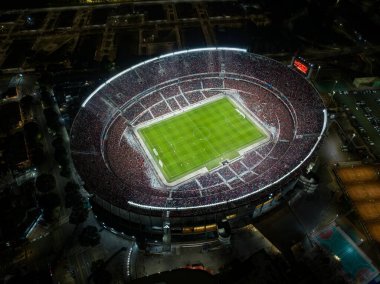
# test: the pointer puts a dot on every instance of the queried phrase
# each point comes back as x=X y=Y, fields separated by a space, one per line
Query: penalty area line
x=242 y=114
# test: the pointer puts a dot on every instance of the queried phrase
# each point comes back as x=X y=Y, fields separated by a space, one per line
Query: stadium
x=194 y=137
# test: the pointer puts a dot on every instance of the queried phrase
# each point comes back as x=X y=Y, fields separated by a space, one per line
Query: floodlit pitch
x=200 y=138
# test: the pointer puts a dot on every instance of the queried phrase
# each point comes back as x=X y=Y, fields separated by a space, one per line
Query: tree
x=71 y=187
x=75 y=200
x=26 y=103
x=99 y=273
x=46 y=98
x=65 y=171
x=60 y=155
x=89 y=236
x=33 y=133
x=52 y=118
x=48 y=203
x=63 y=161
x=102 y=276
x=37 y=155
x=45 y=183
x=58 y=141
x=12 y=212
x=46 y=78
x=72 y=195
x=78 y=214
x=97 y=264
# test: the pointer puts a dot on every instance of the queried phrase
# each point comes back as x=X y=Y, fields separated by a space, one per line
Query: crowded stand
x=191 y=185
x=160 y=109
x=173 y=104
x=194 y=97
x=184 y=194
x=279 y=149
x=212 y=83
x=115 y=168
x=83 y=137
x=133 y=111
x=238 y=167
x=182 y=101
x=191 y=85
x=266 y=149
x=170 y=91
x=210 y=93
x=226 y=173
x=144 y=117
x=209 y=179
x=151 y=99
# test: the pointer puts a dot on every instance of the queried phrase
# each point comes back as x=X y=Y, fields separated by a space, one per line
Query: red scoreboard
x=301 y=66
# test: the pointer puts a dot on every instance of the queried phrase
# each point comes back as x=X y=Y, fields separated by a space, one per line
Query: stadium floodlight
x=232 y=49
x=180 y=52
x=150 y=60
x=154 y=59
x=137 y=65
x=202 y=49
x=92 y=94
x=166 y=55
x=149 y=207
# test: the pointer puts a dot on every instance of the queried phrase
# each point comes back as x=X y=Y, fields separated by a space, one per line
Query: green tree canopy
x=73 y=198
x=78 y=214
x=89 y=236
x=45 y=183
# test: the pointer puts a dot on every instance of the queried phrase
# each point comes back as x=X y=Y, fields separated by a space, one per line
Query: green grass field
x=200 y=137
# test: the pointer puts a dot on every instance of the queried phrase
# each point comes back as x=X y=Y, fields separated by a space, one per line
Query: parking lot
x=363 y=109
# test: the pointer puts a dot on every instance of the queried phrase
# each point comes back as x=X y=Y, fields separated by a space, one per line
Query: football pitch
x=201 y=137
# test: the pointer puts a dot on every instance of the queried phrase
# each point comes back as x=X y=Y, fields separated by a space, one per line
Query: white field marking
x=161 y=164
x=204 y=169
x=181 y=110
x=242 y=114
x=155 y=151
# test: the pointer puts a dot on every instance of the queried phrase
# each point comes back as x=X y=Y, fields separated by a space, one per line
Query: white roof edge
x=156 y=58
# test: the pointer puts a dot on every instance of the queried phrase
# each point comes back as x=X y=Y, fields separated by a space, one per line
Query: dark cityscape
x=210 y=141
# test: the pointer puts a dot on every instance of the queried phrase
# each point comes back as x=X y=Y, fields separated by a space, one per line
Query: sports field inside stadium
x=201 y=137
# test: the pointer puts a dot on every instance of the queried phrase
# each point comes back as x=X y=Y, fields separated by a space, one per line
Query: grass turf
x=200 y=137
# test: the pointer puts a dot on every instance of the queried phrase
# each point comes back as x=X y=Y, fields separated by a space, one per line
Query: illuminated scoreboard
x=301 y=65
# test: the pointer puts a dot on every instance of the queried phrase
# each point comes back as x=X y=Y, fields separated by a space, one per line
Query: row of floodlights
x=159 y=57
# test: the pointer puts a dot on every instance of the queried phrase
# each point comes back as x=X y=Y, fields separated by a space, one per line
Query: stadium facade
x=116 y=169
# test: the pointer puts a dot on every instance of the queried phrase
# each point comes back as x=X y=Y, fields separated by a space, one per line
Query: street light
x=316 y=75
x=352 y=138
x=333 y=88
